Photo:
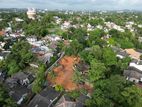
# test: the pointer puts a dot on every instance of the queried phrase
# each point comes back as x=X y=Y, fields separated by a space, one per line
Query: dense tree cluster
x=5 y=100
x=19 y=57
x=115 y=92
x=40 y=79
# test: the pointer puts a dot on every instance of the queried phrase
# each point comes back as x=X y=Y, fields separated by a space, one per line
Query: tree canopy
x=19 y=57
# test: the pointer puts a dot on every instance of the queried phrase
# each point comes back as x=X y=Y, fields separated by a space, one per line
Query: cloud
x=73 y=4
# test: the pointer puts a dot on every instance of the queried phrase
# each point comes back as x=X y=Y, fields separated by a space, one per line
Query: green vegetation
x=59 y=88
x=19 y=57
x=94 y=47
x=38 y=83
x=115 y=92
x=74 y=94
x=96 y=72
x=5 y=100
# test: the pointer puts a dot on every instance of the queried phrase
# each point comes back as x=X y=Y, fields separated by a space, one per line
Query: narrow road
x=52 y=66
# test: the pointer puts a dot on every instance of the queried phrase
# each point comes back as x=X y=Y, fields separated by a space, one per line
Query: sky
x=74 y=4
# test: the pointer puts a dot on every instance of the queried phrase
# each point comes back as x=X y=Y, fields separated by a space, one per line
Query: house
x=34 y=65
x=116 y=49
x=3 y=55
x=22 y=78
x=36 y=50
x=17 y=86
x=90 y=27
x=137 y=65
x=112 y=25
x=133 y=54
x=3 y=75
x=31 y=39
x=65 y=101
x=31 y=13
x=2 y=45
x=132 y=74
x=82 y=67
x=18 y=93
x=53 y=38
x=44 y=98
x=106 y=37
x=46 y=58
x=134 y=71
x=75 y=26
x=37 y=43
x=99 y=26
x=8 y=29
x=18 y=19
x=129 y=25
x=106 y=30
x=80 y=101
x=57 y=19
x=19 y=78
x=42 y=50
x=122 y=54
x=14 y=35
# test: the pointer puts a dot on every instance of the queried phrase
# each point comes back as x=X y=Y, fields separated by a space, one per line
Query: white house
x=112 y=25
x=18 y=19
x=99 y=27
x=90 y=27
x=37 y=43
x=53 y=38
x=8 y=29
x=31 y=39
x=136 y=65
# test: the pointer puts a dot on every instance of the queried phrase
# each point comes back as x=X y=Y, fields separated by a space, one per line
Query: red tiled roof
x=133 y=53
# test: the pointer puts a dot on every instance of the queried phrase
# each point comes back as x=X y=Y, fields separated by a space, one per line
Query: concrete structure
x=132 y=74
x=45 y=98
x=112 y=25
x=134 y=71
x=31 y=13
